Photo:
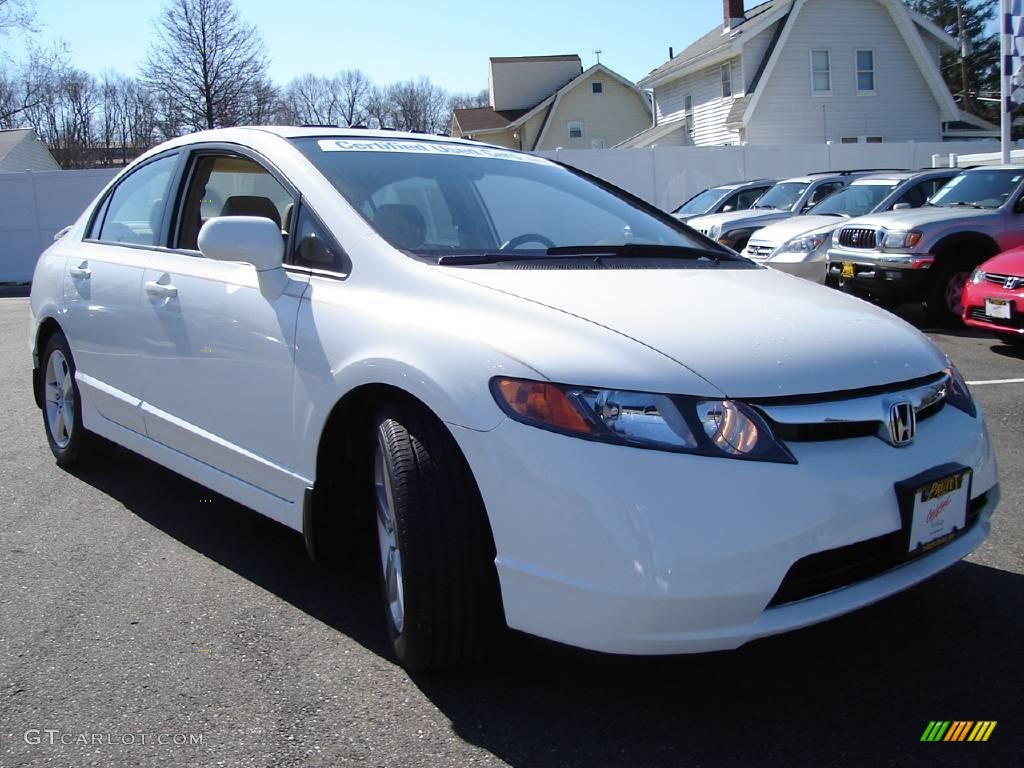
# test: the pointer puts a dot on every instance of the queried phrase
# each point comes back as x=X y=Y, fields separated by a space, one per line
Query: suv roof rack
x=857 y=170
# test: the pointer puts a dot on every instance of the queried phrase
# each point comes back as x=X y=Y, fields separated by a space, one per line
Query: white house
x=546 y=102
x=805 y=71
x=21 y=150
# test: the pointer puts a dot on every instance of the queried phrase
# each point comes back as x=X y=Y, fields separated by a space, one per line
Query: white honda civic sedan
x=563 y=411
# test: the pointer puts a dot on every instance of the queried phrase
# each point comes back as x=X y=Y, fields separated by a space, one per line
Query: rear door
x=218 y=355
x=102 y=289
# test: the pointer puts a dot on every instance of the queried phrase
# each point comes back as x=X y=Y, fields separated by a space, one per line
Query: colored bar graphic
x=958 y=730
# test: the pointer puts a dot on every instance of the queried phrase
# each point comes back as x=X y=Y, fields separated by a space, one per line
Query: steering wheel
x=529 y=237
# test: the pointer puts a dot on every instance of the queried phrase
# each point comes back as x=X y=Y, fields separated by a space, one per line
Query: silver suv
x=725 y=198
x=928 y=254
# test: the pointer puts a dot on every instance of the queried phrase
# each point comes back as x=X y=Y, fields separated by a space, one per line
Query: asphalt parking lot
x=141 y=611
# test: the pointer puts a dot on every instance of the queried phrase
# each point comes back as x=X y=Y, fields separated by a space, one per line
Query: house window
x=849 y=140
x=597 y=87
x=821 y=72
x=873 y=139
x=688 y=112
x=726 y=81
x=865 y=71
x=575 y=129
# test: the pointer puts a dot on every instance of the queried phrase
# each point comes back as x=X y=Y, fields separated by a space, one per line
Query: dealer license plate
x=940 y=510
x=848 y=269
x=998 y=308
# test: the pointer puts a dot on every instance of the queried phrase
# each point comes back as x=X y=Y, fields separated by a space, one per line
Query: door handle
x=153 y=288
x=82 y=272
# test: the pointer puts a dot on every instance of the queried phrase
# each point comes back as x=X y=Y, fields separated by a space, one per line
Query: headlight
x=977 y=276
x=957 y=393
x=804 y=244
x=901 y=239
x=706 y=427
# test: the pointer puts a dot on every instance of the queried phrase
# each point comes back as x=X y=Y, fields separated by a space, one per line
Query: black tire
x=74 y=444
x=451 y=607
x=944 y=275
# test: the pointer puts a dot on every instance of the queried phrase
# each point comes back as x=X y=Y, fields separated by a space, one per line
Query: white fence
x=668 y=176
x=34 y=206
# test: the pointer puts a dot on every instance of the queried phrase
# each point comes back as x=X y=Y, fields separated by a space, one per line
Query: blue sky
x=446 y=40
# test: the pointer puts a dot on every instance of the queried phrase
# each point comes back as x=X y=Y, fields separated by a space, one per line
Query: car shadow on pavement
x=859 y=690
x=1014 y=351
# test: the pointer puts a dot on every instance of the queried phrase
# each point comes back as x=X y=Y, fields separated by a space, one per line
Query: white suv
x=566 y=412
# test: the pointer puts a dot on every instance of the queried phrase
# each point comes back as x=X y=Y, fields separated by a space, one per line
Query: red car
x=993 y=298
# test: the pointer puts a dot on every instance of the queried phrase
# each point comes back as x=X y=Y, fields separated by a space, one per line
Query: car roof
x=904 y=175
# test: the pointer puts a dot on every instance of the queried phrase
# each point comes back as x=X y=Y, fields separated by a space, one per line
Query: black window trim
x=332 y=241
x=102 y=205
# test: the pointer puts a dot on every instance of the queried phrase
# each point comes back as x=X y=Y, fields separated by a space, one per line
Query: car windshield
x=855 y=200
x=979 y=189
x=703 y=202
x=432 y=198
x=784 y=196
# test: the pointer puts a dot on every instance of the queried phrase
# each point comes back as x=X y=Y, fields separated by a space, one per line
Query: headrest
x=250 y=205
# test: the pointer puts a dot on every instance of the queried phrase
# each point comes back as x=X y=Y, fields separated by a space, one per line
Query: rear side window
x=133 y=212
x=824 y=191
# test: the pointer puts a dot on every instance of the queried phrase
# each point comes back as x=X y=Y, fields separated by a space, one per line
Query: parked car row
x=895 y=237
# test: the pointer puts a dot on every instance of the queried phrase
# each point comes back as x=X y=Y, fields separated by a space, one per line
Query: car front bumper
x=976 y=316
x=877 y=277
x=632 y=551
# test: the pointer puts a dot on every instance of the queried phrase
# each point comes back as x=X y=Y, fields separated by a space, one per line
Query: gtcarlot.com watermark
x=54 y=736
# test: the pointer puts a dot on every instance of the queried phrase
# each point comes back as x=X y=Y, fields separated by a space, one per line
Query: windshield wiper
x=964 y=205
x=593 y=252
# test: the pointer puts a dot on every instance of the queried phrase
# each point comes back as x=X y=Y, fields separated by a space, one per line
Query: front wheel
x=436 y=553
x=69 y=440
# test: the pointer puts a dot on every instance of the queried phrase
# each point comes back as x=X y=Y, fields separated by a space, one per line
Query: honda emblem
x=902 y=423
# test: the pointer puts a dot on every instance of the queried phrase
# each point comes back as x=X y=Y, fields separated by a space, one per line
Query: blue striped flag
x=1013 y=66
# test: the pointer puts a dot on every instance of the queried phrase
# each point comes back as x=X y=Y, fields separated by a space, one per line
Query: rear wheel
x=442 y=604
x=69 y=440
x=945 y=291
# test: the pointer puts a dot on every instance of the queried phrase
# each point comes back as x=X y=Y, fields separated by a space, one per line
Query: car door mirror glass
x=902 y=207
x=728 y=209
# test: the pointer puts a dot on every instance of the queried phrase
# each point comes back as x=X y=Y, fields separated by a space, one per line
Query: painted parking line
x=995 y=381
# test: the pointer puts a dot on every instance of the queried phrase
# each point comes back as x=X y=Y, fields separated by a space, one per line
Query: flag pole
x=1007 y=107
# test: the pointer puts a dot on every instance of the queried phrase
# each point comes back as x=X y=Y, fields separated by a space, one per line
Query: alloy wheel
x=60 y=399
x=387 y=539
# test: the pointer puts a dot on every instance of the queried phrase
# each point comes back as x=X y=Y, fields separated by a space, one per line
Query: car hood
x=780 y=232
x=916 y=217
x=1006 y=263
x=748 y=332
x=735 y=219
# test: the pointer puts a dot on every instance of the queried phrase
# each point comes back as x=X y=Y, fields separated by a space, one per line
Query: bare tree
x=418 y=105
x=209 y=66
x=469 y=100
x=353 y=87
x=310 y=99
x=17 y=14
x=379 y=109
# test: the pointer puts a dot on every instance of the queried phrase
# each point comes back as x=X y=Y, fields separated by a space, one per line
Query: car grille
x=844 y=416
x=858 y=237
x=977 y=313
x=836 y=568
x=1004 y=281
x=759 y=251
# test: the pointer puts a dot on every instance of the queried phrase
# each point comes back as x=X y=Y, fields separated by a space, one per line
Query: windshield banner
x=426 y=148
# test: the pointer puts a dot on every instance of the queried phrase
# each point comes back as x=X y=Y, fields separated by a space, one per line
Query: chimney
x=733 y=14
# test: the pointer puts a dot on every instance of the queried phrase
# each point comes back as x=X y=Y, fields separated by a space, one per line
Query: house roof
x=714 y=40
x=561 y=57
x=19 y=147
x=486 y=118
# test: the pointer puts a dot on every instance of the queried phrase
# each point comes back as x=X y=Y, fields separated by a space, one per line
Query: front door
x=218 y=355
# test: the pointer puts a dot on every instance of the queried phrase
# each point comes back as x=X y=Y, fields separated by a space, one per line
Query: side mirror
x=1018 y=207
x=728 y=209
x=902 y=207
x=254 y=240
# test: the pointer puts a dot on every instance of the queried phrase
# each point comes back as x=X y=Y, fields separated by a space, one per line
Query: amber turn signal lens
x=541 y=402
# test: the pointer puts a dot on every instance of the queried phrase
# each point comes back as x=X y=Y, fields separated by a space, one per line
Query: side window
x=823 y=191
x=413 y=213
x=134 y=210
x=747 y=198
x=314 y=248
x=228 y=185
x=917 y=194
